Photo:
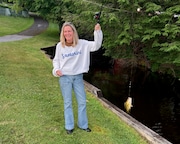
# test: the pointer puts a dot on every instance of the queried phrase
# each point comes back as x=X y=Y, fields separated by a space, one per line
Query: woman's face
x=68 y=34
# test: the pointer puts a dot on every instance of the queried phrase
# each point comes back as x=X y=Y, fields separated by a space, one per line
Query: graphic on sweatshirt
x=71 y=54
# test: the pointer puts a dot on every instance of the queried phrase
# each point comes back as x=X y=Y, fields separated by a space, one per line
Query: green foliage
x=137 y=26
x=170 y=47
x=151 y=7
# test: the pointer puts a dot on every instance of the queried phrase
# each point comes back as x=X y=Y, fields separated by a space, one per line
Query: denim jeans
x=67 y=84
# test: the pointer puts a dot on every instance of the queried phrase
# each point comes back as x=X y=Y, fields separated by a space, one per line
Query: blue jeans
x=67 y=84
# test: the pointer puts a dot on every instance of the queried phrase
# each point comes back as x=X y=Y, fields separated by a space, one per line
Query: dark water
x=156 y=98
x=156 y=103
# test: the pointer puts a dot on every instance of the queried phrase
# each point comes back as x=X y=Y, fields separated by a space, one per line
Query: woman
x=72 y=59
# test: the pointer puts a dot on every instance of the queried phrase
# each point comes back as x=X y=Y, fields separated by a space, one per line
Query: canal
x=155 y=97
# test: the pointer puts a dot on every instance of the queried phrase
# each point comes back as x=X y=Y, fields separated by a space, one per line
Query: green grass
x=31 y=105
x=13 y=25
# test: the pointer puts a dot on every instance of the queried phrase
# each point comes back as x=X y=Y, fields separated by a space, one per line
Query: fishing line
x=128 y=104
x=110 y=8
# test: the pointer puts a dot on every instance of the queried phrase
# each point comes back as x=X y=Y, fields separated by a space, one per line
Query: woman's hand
x=59 y=73
x=97 y=27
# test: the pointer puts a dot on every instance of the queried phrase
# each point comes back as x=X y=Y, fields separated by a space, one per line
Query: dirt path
x=38 y=27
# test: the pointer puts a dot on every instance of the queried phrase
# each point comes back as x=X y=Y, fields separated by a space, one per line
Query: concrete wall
x=5 y=11
x=9 y=12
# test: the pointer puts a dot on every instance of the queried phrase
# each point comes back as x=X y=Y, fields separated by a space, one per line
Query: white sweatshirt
x=76 y=60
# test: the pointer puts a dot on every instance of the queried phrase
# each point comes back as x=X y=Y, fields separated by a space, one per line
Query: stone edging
x=151 y=136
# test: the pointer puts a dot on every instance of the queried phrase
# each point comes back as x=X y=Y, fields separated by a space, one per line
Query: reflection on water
x=156 y=100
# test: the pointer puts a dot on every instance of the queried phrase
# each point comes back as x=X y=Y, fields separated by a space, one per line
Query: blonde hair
x=75 y=37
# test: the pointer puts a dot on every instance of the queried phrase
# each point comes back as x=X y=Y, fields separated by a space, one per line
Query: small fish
x=128 y=104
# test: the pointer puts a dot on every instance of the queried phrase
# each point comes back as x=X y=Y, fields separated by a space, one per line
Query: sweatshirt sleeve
x=56 y=61
x=98 y=38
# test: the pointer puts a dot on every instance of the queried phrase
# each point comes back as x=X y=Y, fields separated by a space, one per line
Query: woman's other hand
x=59 y=73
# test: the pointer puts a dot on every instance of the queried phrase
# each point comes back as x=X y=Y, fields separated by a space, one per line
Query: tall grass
x=31 y=105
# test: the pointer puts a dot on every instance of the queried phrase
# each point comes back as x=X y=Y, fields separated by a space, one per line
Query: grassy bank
x=13 y=25
x=31 y=106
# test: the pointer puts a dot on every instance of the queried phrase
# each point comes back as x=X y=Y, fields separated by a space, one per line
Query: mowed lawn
x=14 y=25
x=31 y=105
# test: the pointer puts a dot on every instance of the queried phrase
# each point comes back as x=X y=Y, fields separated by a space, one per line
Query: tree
x=148 y=32
x=145 y=30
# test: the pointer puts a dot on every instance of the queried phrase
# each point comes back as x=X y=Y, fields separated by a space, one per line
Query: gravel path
x=38 y=27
